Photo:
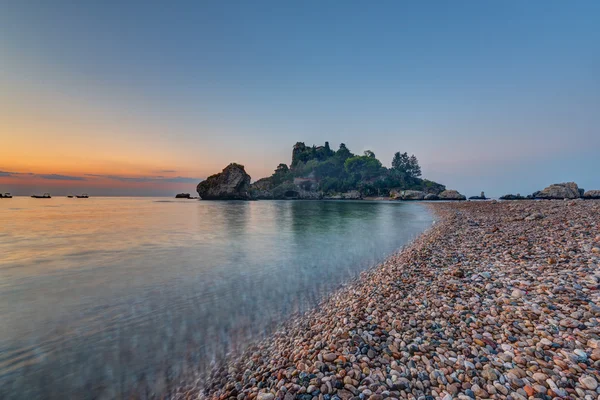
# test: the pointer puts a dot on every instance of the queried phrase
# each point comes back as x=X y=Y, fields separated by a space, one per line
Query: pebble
x=588 y=382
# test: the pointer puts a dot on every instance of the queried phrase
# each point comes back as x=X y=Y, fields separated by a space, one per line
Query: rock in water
x=183 y=196
x=592 y=194
x=480 y=197
x=451 y=195
x=512 y=197
x=559 y=191
x=231 y=184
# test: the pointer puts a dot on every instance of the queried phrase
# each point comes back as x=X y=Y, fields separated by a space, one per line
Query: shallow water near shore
x=104 y=297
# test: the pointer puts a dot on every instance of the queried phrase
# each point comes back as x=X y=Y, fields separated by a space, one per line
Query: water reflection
x=114 y=296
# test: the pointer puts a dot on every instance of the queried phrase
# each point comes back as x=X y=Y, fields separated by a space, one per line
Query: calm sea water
x=103 y=297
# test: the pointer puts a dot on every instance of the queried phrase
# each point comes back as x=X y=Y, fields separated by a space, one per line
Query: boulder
x=451 y=195
x=233 y=183
x=413 y=195
x=592 y=194
x=559 y=191
x=395 y=194
x=183 y=196
x=350 y=195
x=399 y=194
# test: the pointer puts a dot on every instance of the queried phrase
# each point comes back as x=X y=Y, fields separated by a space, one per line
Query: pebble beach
x=498 y=300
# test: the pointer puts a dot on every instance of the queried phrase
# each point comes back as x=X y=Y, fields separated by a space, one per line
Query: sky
x=148 y=98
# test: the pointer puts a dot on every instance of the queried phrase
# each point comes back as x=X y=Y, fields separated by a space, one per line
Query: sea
x=113 y=297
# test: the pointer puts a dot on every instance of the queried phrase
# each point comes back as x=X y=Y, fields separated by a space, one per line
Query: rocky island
x=557 y=191
x=320 y=173
x=233 y=183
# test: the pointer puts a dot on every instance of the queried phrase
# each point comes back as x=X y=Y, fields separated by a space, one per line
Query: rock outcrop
x=432 y=196
x=291 y=191
x=513 y=197
x=262 y=189
x=233 y=183
x=480 y=197
x=451 y=195
x=592 y=194
x=559 y=191
x=407 y=194
x=183 y=196
x=350 y=195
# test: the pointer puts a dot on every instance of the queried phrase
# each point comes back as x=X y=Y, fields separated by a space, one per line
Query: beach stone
x=569 y=323
x=588 y=382
x=539 y=377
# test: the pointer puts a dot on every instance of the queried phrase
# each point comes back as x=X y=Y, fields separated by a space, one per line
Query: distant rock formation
x=559 y=191
x=513 y=197
x=451 y=195
x=233 y=183
x=183 y=196
x=592 y=194
x=412 y=195
x=480 y=197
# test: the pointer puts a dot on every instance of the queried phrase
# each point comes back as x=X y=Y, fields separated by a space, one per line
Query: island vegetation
x=321 y=171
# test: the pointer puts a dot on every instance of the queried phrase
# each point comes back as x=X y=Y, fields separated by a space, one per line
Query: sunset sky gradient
x=136 y=98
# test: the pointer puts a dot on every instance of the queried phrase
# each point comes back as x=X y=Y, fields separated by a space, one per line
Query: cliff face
x=233 y=183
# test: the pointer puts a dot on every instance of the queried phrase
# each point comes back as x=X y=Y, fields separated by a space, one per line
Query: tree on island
x=405 y=164
x=281 y=174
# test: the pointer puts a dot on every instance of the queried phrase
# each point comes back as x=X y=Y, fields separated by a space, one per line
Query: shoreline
x=495 y=300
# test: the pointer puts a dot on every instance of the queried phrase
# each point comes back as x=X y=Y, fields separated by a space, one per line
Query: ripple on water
x=115 y=295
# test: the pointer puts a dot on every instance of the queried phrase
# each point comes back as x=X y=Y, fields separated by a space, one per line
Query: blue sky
x=496 y=96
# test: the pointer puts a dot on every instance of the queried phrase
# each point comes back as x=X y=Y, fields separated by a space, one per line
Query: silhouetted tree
x=406 y=165
x=369 y=153
x=414 y=169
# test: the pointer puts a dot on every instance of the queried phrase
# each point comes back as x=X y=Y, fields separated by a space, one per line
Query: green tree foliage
x=281 y=174
x=369 y=153
x=407 y=165
x=414 y=169
x=366 y=167
x=341 y=171
x=343 y=153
